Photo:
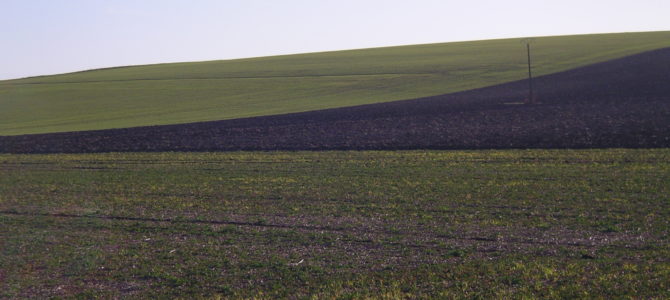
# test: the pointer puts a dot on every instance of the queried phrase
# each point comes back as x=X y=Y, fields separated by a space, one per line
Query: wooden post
x=531 y=99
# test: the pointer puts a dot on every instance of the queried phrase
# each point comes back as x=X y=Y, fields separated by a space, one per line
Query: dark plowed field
x=620 y=103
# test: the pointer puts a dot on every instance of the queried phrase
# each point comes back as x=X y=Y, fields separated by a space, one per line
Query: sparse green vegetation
x=473 y=224
x=202 y=91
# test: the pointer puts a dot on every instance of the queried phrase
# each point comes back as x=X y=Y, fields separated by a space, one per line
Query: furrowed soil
x=619 y=103
x=355 y=224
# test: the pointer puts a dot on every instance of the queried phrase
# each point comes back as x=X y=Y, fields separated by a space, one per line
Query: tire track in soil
x=499 y=243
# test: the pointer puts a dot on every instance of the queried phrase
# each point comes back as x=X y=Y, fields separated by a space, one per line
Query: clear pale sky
x=55 y=36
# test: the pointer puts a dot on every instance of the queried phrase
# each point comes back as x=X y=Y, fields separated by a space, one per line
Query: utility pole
x=531 y=97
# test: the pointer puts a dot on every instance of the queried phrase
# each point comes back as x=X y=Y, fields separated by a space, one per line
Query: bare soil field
x=620 y=103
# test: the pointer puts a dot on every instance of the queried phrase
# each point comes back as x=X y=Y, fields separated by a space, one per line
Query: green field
x=473 y=224
x=215 y=90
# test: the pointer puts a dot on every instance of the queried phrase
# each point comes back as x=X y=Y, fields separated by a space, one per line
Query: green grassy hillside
x=214 y=90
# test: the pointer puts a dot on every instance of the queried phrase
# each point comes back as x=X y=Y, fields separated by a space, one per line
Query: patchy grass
x=216 y=90
x=476 y=224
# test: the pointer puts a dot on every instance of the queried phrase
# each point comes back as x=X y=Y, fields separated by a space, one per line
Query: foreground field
x=218 y=90
x=539 y=223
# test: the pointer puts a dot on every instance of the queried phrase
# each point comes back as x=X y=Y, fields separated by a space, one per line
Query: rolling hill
x=219 y=90
x=618 y=103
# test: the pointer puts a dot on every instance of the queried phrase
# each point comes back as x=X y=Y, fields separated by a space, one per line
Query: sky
x=40 y=37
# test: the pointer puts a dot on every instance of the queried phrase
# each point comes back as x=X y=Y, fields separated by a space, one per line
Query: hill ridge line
x=220 y=78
